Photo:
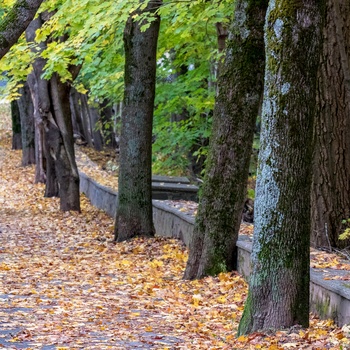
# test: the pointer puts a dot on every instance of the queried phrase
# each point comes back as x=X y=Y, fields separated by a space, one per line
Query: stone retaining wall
x=329 y=298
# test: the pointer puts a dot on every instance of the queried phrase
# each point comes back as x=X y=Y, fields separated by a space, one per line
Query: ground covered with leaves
x=65 y=285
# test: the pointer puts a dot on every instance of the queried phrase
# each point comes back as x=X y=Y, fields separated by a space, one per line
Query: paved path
x=64 y=285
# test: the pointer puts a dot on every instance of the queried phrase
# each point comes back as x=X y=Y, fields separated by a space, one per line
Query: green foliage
x=186 y=83
x=174 y=141
x=251 y=193
x=346 y=233
x=90 y=33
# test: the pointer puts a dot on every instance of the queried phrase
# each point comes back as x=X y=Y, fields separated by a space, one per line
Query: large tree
x=134 y=204
x=331 y=176
x=54 y=121
x=279 y=284
x=237 y=105
x=15 y=23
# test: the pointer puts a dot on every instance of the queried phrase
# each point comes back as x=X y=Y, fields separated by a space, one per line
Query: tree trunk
x=55 y=123
x=85 y=119
x=134 y=204
x=45 y=165
x=61 y=145
x=331 y=177
x=16 y=22
x=109 y=136
x=279 y=284
x=16 y=126
x=240 y=85
x=96 y=134
x=26 y=109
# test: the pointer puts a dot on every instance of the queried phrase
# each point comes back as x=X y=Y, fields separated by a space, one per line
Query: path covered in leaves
x=65 y=285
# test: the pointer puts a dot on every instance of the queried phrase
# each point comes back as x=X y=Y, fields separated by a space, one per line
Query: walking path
x=64 y=285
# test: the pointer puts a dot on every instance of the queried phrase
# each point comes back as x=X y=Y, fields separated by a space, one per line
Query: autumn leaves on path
x=64 y=285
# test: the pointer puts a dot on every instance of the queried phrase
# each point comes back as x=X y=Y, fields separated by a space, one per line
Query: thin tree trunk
x=331 y=176
x=106 y=112
x=279 y=284
x=134 y=205
x=213 y=244
x=26 y=109
x=85 y=119
x=16 y=126
x=96 y=134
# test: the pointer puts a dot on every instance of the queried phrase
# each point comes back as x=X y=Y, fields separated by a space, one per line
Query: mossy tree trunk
x=16 y=22
x=279 y=284
x=134 y=204
x=240 y=88
x=331 y=176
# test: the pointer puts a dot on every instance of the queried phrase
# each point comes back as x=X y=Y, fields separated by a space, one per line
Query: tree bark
x=75 y=106
x=16 y=126
x=134 y=204
x=96 y=134
x=331 y=176
x=45 y=165
x=16 y=22
x=26 y=109
x=109 y=136
x=279 y=284
x=85 y=119
x=55 y=122
x=240 y=85
x=61 y=145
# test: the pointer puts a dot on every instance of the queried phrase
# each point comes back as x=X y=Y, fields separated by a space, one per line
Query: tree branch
x=16 y=22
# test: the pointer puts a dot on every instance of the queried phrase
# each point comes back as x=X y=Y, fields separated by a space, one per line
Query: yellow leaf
x=242 y=338
x=196 y=298
x=221 y=300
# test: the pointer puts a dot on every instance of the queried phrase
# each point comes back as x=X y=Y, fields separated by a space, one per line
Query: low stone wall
x=105 y=198
x=101 y=197
x=169 y=222
x=329 y=298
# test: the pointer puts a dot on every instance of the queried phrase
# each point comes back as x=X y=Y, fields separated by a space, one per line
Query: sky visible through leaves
x=65 y=285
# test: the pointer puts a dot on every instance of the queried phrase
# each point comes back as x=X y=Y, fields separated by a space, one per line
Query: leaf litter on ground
x=65 y=285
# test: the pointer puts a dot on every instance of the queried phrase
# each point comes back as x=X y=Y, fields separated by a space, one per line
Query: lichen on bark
x=279 y=284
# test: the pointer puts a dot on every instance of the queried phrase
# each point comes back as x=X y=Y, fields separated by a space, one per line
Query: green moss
x=3 y=41
x=246 y=321
x=11 y=18
x=323 y=306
